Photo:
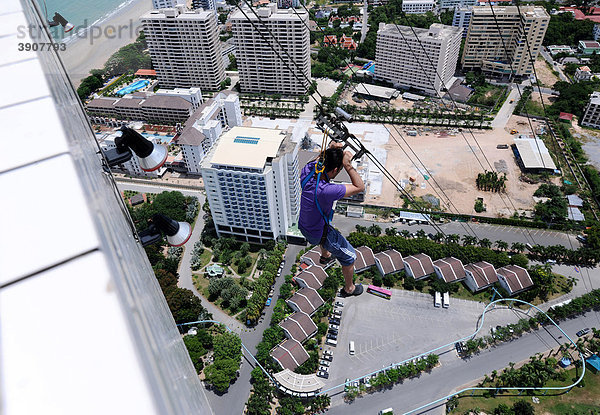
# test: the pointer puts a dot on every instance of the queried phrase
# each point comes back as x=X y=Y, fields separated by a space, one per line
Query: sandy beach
x=93 y=50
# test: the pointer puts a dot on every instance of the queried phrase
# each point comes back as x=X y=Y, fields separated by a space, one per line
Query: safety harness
x=318 y=171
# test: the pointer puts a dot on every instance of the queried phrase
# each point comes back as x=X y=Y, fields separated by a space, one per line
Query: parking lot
x=390 y=331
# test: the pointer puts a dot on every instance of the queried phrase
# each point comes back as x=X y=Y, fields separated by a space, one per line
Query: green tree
x=523 y=408
x=221 y=373
x=184 y=305
x=196 y=351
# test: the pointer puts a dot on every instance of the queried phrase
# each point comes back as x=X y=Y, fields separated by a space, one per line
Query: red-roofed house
x=330 y=40
x=364 y=259
x=514 y=279
x=145 y=72
x=347 y=42
x=583 y=73
x=290 y=354
x=418 y=266
x=565 y=117
x=480 y=275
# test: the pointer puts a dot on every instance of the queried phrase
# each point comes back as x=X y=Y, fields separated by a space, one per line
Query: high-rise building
x=204 y=4
x=591 y=118
x=286 y=4
x=485 y=48
x=260 y=68
x=405 y=60
x=166 y=4
x=462 y=18
x=453 y=4
x=251 y=180
x=206 y=125
x=418 y=6
x=185 y=47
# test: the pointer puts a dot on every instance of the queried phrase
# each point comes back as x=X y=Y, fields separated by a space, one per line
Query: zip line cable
x=368 y=153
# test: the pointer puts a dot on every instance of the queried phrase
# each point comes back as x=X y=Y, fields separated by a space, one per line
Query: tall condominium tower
x=260 y=69
x=251 y=180
x=165 y=4
x=184 y=46
x=204 y=4
x=406 y=60
x=485 y=49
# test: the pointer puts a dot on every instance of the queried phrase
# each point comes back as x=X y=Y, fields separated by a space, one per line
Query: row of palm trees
x=491 y=181
x=420 y=116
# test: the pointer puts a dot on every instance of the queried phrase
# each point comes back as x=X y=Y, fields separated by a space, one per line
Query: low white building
x=480 y=275
x=591 y=117
x=583 y=73
x=206 y=125
x=191 y=95
x=418 y=6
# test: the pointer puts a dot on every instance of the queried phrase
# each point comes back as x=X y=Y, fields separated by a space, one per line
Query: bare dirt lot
x=544 y=73
x=454 y=163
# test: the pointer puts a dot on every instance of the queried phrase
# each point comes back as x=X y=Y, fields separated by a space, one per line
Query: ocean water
x=81 y=13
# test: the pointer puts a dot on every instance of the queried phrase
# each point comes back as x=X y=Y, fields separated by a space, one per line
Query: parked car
x=324 y=362
x=347 y=385
x=583 y=332
x=339 y=304
x=323 y=369
x=268 y=303
x=324 y=375
x=337 y=312
x=334 y=320
x=331 y=336
x=328 y=353
x=327 y=357
x=334 y=326
x=333 y=331
x=459 y=348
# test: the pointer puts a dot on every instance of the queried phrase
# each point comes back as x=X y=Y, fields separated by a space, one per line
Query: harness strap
x=305 y=181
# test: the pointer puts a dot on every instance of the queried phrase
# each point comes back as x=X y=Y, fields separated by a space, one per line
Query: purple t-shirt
x=311 y=221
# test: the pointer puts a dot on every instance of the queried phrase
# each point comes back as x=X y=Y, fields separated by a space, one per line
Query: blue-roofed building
x=594 y=363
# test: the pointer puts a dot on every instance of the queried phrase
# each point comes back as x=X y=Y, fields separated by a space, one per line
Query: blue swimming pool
x=133 y=87
x=164 y=139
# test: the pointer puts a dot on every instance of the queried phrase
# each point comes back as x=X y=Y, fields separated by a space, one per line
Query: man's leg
x=324 y=252
x=348 y=272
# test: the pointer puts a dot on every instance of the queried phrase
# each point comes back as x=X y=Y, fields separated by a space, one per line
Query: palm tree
x=453 y=238
x=502 y=245
x=485 y=243
x=405 y=233
x=517 y=247
x=468 y=240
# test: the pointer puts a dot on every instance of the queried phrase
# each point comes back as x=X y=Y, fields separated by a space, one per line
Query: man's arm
x=357 y=185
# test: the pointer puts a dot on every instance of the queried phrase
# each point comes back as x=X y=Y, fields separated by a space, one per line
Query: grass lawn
x=579 y=399
x=201 y=284
x=486 y=95
x=534 y=108
x=205 y=257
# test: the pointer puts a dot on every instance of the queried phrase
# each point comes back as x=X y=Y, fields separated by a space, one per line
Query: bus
x=437 y=299
x=381 y=292
x=446 y=299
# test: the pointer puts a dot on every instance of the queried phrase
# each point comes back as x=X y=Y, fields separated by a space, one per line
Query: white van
x=331 y=342
x=351 y=348
x=438 y=299
x=446 y=298
x=388 y=411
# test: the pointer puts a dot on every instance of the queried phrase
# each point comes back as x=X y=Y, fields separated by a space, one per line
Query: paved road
x=365 y=26
x=509 y=234
x=455 y=372
x=507 y=108
x=555 y=65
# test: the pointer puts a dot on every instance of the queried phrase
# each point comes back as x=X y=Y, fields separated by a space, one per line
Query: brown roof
x=483 y=273
x=307 y=300
x=420 y=264
x=313 y=276
x=390 y=261
x=102 y=103
x=165 y=101
x=364 y=258
x=451 y=268
x=517 y=278
x=129 y=103
x=290 y=354
x=145 y=72
x=299 y=326
x=191 y=136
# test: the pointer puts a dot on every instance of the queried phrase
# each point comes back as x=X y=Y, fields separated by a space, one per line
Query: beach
x=93 y=50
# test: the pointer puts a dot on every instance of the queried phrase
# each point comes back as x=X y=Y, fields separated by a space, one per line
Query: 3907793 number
x=41 y=46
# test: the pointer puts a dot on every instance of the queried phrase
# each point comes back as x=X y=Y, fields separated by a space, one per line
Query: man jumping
x=316 y=211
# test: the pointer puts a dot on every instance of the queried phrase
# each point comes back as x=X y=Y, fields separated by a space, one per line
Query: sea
x=81 y=13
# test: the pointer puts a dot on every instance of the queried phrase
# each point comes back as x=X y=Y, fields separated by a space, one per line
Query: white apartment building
x=191 y=95
x=484 y=47
x=185 y=47
x=166 y=4
x=206 y=125
x=406 y=61
x=453 y=4
x=462 y=18
x=591 y=117
x=260 y=68
x=252 y=186
x=204 y=4
x=286 y=4
x=418 y=6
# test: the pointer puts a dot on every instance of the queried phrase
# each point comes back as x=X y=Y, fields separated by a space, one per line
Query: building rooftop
x=517 y=278
x=574 y=201
x=364 y=258
x=566 y=115
x=299 y=326
x=390 y=261
x=575 y=214
x=420 y=264
x=179 y=13
x=129 y=103
x=165 y=101
x=247 y=147
x=313 y=257
x=451 y=269
x=290 y=354
x=483 y=273
x=307 y=300
x=103 y=102
x=313 y=276
x=297 y=382
x=532 y=11
x=534 y=154
x=435 y=31
x=377 y=91
x=145 y=72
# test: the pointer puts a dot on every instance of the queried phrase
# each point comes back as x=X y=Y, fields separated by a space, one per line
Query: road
x=507 y=108
x=555 y=65
x=365 y=26
x=455 y=372
x=509 y=234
